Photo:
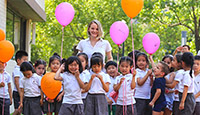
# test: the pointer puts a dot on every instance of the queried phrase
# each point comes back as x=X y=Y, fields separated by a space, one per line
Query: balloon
x=119 y=32
x=151 y=43
x=49 y=86
x=64 y=13
x=132 y=7
x=2 y=35
x=6 y=50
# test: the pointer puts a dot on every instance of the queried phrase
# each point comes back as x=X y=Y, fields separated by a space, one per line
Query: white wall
x=3 y=5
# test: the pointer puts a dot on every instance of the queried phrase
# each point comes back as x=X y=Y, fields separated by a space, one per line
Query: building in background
x=18 y=19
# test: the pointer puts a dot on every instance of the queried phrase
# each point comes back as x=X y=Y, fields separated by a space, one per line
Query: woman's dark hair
x=86 y=58
x=110 y=63
x=96 y=60
x=71 y=60
x=126 y=59
x=52 y=58
x=171 y=58
x=26 y=66
x=188 y=59
x=141 y=54
x=197 y=57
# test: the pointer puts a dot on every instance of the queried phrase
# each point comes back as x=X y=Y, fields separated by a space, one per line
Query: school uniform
x=160 y=104
x=72 y=101
x=4 y=94
x=16 y=97
x=32 y=95
x=196 y=90
x=96 y=103
x=111 y=108
x=169 y=96
x=125 y=96
x=142 y=94
x=176 y=102
x=85 y=73
x=189 y=106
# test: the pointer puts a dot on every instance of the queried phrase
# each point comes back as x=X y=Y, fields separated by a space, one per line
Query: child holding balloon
x=72 y=81
x=30 y=93
x=5 y=91
x=51 y=106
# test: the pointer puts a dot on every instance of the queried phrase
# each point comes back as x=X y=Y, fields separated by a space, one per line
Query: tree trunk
x=197 y=41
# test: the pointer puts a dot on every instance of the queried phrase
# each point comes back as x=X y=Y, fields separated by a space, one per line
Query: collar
x=139 y=70
x=88 y=39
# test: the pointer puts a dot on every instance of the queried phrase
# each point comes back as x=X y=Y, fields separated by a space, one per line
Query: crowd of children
x=172 y=86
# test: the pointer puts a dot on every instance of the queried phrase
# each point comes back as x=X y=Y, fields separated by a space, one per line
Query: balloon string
x=132 y=42
x=3 y=94
x=62 y=40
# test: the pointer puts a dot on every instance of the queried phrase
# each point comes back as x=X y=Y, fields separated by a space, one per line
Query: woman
x=95 y=43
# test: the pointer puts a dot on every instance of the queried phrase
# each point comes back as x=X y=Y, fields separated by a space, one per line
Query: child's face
x=27 y=74
x=175 y=64
x=158 y=70
x=96 y=68
x=111 y=70
x=141 y=62
x=185 y=49
x=125 y=67
x=55 y=64
x=73 y=67
x=168 y=62
x=23 y=59
x=196 y=66
x=83 y=61
x=40 y=69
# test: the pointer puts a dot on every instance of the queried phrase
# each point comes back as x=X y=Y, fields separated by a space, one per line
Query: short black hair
x=19 y=54
x=142 y=54
x=98 y=54
x=86 y=58
x=110 y=63
x=52 y=58
x=186 y=46
x=126 y=59
x=197 y=57
x=26 y=66
x=96 y=60
x=188 y=59
x=71 y=60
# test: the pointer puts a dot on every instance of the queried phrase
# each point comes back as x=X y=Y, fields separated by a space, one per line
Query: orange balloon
x=6 y=50
x=49 y=86
x=2 y=35
x=132 y=7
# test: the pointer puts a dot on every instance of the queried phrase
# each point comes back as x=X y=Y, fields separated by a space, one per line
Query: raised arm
x=57 y=75
x=105 y=85
x=172 y=85
x=133 y=80
x=141 y=81
x=117 y=86
x=109 y=56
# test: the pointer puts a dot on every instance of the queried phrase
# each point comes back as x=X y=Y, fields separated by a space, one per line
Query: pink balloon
x=64 y=13
x=151 y=42
x=119 y=32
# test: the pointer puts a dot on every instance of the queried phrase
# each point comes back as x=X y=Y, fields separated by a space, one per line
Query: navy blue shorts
x=16 y=98
x=160 y=107
x=6 y=106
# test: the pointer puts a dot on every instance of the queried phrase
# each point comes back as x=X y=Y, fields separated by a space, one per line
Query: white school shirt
x=6 y=78
x=85 y=74
x=16 y=73
x=126 y=87
x=112 y=82
x=97 y=86
x=197 y=86
x=101 y=46
x=187 y=80
x=31 y=85
x=144 y=91
x=71 y=88
x=178 y=77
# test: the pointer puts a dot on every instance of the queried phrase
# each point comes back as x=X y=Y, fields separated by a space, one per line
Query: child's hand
x=179 y=48
x=20 y=107
x=50 y=100
x=121 y=80
x=181 y=106
x=2 y=84
x=77 y=73
x=99 y=76
x=166 y=91
x=62 y=67
x=151 y=104
x=149 y=72
x=59 y=98
x=41 y=102
x=176 y=91
x=134 y=72
x=109 y=101
x=93 y=76
x=10 y=101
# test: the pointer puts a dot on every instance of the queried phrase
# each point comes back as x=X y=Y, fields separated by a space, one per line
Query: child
x=20 y=57
x=111 y=69
x=186 y=85
x=196 y=68
x=143 y=85
x=5 y=91
x=124 y=85
x=169 y=79
x=72 y=103
x=158 y=101
x=84 y=61
x=97 y=85
x=51 y=106
x=40 y=67
x=30 y=93
x=176 y=64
